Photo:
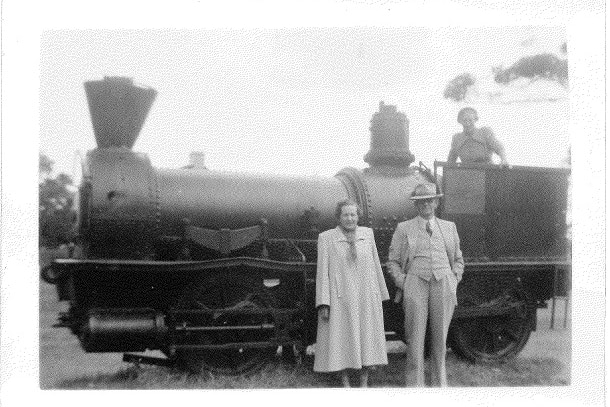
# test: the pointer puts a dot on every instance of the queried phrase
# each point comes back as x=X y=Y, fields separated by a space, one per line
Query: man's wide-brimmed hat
x=424 y=191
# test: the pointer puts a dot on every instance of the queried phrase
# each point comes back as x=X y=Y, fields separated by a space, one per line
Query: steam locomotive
x=217 y=269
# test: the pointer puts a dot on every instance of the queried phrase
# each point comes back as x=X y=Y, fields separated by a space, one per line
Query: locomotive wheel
x=236 y=295
x=493 y=339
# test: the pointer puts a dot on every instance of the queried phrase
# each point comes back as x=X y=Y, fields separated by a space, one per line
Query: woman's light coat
x=354 y=335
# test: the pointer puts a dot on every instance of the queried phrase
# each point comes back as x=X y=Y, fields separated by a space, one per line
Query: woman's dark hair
x=346 y=202
x=465 y=110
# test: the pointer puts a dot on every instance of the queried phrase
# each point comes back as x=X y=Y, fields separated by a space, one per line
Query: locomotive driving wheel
x=229 y=296
x=494 y=338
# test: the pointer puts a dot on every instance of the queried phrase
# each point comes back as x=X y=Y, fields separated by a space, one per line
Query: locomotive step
x=236 y=345
x=149 y=360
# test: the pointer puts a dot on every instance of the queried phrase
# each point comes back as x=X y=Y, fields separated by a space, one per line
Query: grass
x=273 y=376
x=280 y=375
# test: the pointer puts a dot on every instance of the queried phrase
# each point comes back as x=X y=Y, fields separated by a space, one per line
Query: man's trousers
x=422 y=300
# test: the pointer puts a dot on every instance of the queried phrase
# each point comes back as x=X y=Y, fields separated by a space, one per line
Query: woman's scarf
x=351 y=240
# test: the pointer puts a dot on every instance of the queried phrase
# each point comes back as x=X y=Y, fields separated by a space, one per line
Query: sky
x=289 y=87
x=299 y=101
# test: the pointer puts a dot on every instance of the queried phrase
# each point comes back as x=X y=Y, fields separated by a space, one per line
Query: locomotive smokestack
x=118 y=110
x=389 y=139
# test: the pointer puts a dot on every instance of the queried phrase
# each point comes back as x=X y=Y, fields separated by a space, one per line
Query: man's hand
x=324 y=312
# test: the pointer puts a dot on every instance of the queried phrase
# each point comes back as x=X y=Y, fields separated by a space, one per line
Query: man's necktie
x=428 y=228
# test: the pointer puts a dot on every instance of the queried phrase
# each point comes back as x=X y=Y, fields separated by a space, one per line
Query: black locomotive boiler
x=217 y=269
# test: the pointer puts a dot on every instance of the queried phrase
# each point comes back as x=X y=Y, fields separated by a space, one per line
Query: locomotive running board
x=62 y=266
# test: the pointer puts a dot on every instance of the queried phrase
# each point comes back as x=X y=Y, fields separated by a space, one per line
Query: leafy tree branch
x=57 y=218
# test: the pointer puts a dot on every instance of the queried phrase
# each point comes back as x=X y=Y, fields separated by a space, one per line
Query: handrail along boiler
x=217 y=269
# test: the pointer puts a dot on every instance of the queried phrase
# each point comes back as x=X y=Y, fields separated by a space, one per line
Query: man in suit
x=426 y=264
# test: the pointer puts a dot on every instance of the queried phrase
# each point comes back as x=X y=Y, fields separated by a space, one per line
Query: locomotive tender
x=217 y=269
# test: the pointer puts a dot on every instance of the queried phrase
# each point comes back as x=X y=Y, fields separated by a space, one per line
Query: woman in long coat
x=349 y=290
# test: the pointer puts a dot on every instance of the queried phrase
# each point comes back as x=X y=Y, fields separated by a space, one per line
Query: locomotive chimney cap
x=118 y=110
x=389 y=138
x=387 y=108
x=124 y=79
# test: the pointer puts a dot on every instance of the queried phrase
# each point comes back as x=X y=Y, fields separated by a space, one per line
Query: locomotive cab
x=511 y=223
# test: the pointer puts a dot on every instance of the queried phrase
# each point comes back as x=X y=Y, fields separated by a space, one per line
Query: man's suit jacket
x=400 y=257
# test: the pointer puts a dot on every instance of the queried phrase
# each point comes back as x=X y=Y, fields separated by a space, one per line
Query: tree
x=458 y=87
x=45 y=166
x=57 y=218
x=535 y=67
